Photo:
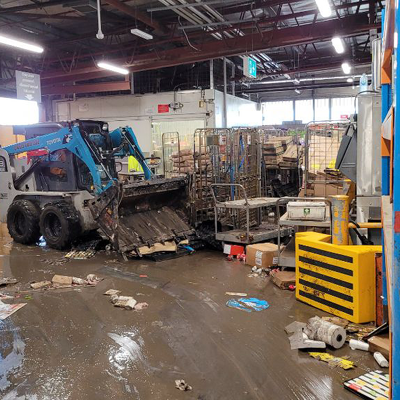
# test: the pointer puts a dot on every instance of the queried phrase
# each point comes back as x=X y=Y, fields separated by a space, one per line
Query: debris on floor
x=93 y=280
x=182 y=385
x=127 y=302
x=40 y=285
x=8 y=281
x=111 y=292
x=62 y=280
x=248 y=304
x=80 y=254
x=358 y=345
x=57 y=262
x=236 y=294
x=358 y=331
x=331 y=334
x=8 y=309
x=264 y=255
x=317 y=333
x=262 y=272
x=333 y=361
x=372 y=385
x=283 y=279
x=337 y=321
x=381 y=360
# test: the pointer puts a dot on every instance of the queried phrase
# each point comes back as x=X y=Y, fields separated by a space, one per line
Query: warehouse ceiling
x=289 y=39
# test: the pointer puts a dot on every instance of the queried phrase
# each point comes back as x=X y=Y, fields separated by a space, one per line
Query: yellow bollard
x=340 y=219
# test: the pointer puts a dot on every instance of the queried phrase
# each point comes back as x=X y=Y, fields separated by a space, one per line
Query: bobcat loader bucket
x=143 y=213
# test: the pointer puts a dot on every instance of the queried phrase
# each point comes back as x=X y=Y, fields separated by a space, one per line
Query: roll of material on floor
x=331 y=334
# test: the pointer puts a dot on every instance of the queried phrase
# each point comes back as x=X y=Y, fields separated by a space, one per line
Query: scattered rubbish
x=28 y=297
x=169 y=246
x=372 y=385
x=5 y=296
x=358 y=345
x=292 y=288
x=80 y=254
x=93 y=280
x=78 y=281
x=299 y=340
x=111 y=292
x=62 y=280
x=127 y=302
x=283 y=279
x=143 y=276
x=182 y=385
x=229 y=258
x=256 y=271
x=295 y=326
x=236 y=294
x=357 y=331
x=248 y=304
x=141 y=306
x=331 y=334
x=8 y=309
x=333 y=361
x=40 y=285
x=56 y=262
x=381 y=360
x=337 y=321
x=8 y=281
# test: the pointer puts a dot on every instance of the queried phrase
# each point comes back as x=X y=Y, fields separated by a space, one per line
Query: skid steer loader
x=64 y=184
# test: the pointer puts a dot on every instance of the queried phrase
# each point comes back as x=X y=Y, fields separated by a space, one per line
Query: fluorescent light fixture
x=296 y=81
x=338 y=44
x=350 y=80
x=324 y=8
x=297 y=91
x=346 y=68
x=142 y=34
x=114 y=68
x=20 y=44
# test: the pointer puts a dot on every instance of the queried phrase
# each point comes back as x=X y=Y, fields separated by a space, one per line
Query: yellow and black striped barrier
x=339 y=279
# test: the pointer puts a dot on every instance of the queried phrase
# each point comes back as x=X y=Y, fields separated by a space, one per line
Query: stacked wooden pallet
x=274 y=149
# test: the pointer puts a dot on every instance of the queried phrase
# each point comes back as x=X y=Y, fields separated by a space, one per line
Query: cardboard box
x=263 y=255
x=381 y=344
x=283 y=279
x=326 y=189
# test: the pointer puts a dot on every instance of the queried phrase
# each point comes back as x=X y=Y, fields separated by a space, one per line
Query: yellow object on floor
x=338 y=279
x=333 y=361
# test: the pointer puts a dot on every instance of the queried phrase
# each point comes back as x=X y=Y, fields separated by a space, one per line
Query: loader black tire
x=23 y=221
x=60 y=225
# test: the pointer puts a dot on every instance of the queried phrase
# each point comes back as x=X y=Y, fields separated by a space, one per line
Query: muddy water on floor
x=73 y=344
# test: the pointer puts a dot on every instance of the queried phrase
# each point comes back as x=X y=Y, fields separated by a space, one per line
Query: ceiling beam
x=249 y=44
x=33 y=6
x=88 y=88
x=139 y=15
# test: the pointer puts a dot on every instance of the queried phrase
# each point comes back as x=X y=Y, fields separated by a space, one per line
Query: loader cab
x=61 y=170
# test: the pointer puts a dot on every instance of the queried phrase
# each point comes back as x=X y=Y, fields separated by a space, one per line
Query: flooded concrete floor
x=74 y=344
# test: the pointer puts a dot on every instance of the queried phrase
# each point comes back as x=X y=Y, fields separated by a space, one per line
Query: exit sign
x=249 y=67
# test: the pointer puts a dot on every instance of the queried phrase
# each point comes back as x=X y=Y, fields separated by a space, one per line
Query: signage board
x=28 y=86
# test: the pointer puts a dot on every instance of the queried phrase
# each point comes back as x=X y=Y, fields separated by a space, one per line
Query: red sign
x=163 y=108
x=344 y=116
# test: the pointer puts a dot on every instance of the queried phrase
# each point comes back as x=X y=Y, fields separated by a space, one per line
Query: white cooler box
x=306 y=210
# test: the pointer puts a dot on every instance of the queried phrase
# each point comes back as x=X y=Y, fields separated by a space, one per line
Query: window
x=18 y=112
x=275 y=112
x=304 y=111
x=342 y=107
x=321 y=109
